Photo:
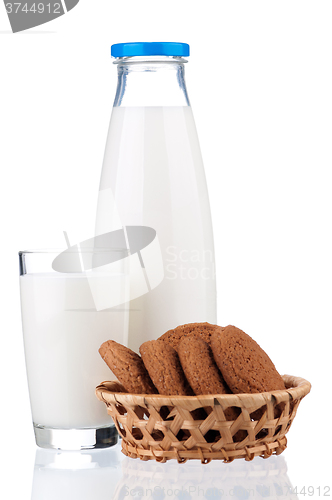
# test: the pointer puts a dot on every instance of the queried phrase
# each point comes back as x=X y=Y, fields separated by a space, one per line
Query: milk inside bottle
x=153 y=177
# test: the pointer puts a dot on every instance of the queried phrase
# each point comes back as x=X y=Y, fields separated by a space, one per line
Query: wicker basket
x=156 y=427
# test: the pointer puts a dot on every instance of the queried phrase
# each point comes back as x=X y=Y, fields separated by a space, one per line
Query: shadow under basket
x=223 y=427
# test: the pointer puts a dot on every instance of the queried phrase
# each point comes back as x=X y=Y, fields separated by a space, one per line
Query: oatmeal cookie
x=163 y=365
x=128 y=367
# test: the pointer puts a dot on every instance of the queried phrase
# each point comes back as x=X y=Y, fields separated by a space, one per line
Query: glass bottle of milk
x=153 y=177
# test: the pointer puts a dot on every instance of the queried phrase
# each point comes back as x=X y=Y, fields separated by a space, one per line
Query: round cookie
x=244 y=365
x=200 y=330
x=200 y=367
x=128 y=367
x=203 y=374
x=163 y=365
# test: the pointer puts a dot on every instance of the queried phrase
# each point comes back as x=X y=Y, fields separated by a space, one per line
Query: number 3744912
x=35 y=8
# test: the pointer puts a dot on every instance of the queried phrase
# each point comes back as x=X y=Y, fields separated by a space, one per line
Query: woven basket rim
x=296 y=388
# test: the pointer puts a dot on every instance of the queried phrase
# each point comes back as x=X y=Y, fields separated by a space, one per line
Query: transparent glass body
x=153 y=176
x=62 y=331
x=152 y=81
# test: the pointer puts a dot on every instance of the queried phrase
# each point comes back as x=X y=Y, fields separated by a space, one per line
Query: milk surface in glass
x=62 y=334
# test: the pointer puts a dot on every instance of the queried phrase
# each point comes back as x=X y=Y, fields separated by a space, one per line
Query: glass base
x=75 y=439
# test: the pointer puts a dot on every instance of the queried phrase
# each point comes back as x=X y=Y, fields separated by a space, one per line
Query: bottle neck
x=151 y=81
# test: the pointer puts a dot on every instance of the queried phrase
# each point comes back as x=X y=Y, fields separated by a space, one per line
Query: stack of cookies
x=194 y=359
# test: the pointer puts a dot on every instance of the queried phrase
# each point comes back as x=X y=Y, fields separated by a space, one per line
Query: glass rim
x=47 y=251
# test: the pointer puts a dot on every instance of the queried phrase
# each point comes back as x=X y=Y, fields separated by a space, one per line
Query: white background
x=259 y=81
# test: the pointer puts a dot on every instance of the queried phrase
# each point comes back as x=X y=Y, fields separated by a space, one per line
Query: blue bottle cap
x=150 y=49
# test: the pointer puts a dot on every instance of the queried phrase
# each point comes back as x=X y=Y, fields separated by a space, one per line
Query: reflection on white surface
x=108 y=475
x=238 y=480
x=85 y=475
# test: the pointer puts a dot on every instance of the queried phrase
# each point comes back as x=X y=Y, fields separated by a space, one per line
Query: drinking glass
x=66 y=316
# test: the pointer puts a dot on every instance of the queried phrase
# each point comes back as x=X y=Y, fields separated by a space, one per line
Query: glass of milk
x=63 y=328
